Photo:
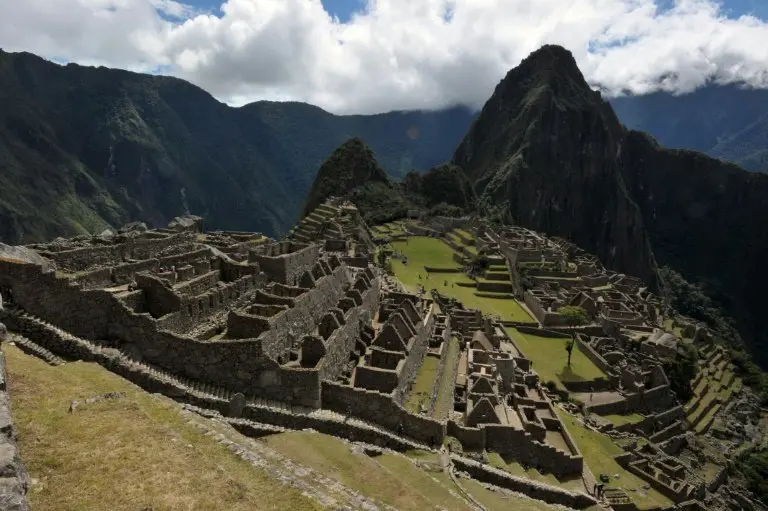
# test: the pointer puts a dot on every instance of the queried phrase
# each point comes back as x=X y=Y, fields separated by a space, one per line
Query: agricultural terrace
x=550 y=359
x=433 y=252
x=714 y=386
x=599 y=452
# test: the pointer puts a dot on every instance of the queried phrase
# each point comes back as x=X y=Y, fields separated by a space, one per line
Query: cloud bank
x=397 y=54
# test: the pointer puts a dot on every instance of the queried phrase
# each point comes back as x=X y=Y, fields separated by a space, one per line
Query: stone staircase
x=31 y=348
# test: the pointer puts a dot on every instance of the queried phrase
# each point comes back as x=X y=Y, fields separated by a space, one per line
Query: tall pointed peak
x=351 y=166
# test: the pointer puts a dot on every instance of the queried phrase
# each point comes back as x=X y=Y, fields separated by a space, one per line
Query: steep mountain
x=352 y=172
x=725 y=121
x=544 y=148
x=84 y=148
x=553 y=154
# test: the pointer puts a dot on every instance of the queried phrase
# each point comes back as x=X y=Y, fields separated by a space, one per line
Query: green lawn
x=423 y=250
x=550 y=359
x=423 y=384
x=435 y=253
x=619 y=420
x=598 y=451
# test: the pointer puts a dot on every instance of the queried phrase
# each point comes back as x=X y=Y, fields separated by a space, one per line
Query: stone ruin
x=306 y=332
x=628 y=335
x=294 y=333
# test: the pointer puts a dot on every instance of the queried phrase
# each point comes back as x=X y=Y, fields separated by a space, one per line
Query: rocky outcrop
x=544 y=151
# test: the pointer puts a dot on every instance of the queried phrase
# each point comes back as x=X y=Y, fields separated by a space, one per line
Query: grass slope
x=124 y=454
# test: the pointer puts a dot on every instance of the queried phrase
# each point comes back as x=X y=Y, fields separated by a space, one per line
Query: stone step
x=36 y=350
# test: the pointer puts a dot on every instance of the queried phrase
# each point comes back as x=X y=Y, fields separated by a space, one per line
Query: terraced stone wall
x=382 y=410
x=98 y=315
x=305 y=314
x=14 y=480
x=525 y=486
x=342 y=341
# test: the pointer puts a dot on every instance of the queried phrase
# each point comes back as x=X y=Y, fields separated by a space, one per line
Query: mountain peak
x=350 y=166
x=543 y=153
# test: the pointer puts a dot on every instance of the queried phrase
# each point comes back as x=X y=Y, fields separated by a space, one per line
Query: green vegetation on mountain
x=352 y=172
x=442 y=189
x=83 y=149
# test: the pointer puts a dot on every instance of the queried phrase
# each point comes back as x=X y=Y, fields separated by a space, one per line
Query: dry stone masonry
x=308 y=332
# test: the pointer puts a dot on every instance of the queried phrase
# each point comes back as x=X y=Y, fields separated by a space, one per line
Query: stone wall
x=445 y=364
x=195 y=309
x=14 y=480
x=81 y=259
x=382 y=410
x=200 y=284
x=342 y=341
x=306 y=312
x=411 y=365
x=528 y=487
x=472 y=439
x=287 y=268
x=523 y=448
x=98 y=315
x=594 y=356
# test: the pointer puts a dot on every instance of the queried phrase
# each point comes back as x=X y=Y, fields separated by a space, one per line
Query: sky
x=369 y=56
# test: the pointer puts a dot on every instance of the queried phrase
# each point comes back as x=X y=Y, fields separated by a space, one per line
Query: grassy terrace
x=598 y=451
x=389 y=478
x=492 y=500
x=620 y=420
x=444 y=399
x=573 y=483
x=434 y=252
x=131 y=453
x=423 y=384
x=550 y=359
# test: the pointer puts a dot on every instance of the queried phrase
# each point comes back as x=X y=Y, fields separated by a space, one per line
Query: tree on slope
x=574 y=316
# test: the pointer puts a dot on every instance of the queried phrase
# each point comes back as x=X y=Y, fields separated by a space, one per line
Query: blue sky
x=343 y=9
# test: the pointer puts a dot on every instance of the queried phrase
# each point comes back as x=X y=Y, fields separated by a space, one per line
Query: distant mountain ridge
x=83 y=149
x=725 y=121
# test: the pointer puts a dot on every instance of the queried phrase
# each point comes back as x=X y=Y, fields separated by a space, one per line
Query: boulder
x=186 y=223
x=134 y=227
x=3 y=333
x=25 y=255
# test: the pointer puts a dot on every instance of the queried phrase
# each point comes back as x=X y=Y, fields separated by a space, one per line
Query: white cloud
x=397 y=54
